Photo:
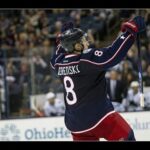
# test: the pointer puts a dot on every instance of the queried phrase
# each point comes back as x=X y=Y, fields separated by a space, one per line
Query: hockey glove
x=134 y=26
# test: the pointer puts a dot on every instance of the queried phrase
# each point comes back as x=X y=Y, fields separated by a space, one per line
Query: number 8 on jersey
x=69 y=90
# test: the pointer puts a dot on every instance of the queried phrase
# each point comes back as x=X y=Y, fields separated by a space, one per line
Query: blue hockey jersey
x=83 y=78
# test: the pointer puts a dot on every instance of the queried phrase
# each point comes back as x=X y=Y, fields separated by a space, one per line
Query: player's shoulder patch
x=87 y=51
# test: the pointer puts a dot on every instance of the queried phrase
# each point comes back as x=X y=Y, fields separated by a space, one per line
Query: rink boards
x=53 y=129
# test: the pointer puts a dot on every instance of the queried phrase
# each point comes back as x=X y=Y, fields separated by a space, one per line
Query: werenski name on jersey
x=68 y=70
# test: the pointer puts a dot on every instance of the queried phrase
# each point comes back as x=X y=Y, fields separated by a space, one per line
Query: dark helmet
x=69 y=37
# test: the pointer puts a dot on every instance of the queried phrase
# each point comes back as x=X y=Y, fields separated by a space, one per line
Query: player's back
x=84 y=91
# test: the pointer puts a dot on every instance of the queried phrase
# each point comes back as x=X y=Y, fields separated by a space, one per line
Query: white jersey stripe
x=52 y=66
x=71 y=55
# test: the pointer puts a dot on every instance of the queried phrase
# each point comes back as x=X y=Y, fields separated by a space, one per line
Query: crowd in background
x=27 y=42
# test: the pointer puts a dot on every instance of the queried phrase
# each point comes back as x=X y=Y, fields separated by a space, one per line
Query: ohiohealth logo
x=9 y=133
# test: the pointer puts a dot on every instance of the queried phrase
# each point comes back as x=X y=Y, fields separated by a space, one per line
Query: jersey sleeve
x=59 y=50
x=110 y=56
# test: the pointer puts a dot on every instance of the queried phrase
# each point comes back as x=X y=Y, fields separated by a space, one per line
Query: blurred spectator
x=15 y=96
x=132 y=58
x=128 y=74
x=126 y=13
x=53 y=106
x=56 y=85
x=39 y=63
x=147 y=77
x=24 y=76
x=117 y=89
x=38 y=112
x=147 y=101
x=134 y=97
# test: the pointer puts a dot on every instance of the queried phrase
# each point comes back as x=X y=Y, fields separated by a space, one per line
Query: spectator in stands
x=117 y=89
x=147 y=77
x=134 y=97
x=38 y=112
x=15 y=96
x=56 y=85
x=128 y=74
x=24 y=76
x=53 y=106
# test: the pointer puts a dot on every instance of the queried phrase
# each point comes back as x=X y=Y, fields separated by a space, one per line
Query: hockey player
x=89 y=112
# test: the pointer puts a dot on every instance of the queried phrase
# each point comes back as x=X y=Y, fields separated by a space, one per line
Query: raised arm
x=110 y=56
